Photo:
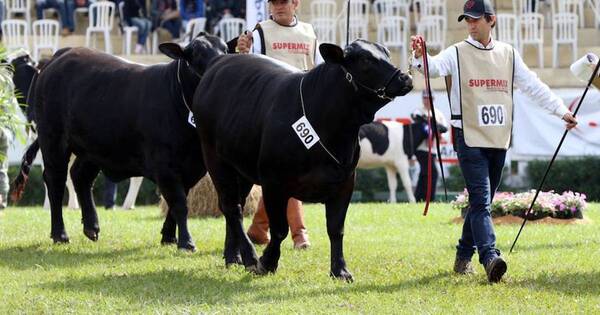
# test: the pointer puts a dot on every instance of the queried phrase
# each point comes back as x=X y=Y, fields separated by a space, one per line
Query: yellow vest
x=486 y=94
x=294 y=45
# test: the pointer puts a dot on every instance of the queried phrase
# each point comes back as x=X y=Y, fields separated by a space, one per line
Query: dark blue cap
x=476 y=9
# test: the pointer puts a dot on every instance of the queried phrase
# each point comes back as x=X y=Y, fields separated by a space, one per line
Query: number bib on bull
x=486 y=94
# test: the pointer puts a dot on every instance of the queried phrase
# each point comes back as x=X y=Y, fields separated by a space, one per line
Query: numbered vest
x=486 y=94
x=294 y=45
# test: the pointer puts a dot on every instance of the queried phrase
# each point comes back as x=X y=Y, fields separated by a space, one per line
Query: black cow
x=247 y=137
x=125 y=119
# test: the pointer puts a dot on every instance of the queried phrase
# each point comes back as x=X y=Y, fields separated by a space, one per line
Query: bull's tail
x=21 y=179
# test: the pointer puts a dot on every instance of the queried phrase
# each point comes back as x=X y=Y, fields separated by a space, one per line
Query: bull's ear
x=172 y=50
x=331 y=53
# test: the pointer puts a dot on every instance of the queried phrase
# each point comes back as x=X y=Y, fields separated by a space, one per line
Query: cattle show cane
x=433 y=130
x=594 y=74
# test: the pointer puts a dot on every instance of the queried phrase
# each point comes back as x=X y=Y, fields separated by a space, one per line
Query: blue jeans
x=65 y=10
x=144 y=25
x=482 y=170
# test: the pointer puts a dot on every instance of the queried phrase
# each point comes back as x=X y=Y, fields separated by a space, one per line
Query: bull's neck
x=186 y=80
x=333 y=109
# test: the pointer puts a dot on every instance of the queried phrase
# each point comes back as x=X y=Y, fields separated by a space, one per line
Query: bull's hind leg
x=83 y=174
x=275 y=205
x=56 y=160
x=336 y=209
x=176 y=196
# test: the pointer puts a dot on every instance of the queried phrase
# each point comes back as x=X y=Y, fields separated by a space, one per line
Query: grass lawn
x=401 y=261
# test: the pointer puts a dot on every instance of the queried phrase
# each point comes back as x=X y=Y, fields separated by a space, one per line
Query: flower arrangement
x=548 y=204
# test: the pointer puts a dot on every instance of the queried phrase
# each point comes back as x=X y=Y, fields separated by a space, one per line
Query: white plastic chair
x=323 y=9
x=45 y=36
x=525 y=6
x=532 y=33
x=569 y=6
x=564 y=31
x=15 y=34
x=230 y=28
x=432 y=28
x=507 y=28
x=384 y=8
x=101 y=17
x=324 y=29
x=19 y=6
x=128 y=31
x=359 y=21
x=81 y=10
x=430 y=8
x=195 y=26
x=392 y=32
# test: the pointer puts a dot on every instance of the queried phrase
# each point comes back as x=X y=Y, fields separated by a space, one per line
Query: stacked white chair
x=432 y=28
x=323 y=20
x=101 y=17
x=230 y=28
x=392 y=32
x=359 y=21
x=45 y=36
x=19 y=6
x=507 y=28
x=532 y=33
x=15 y=34
x=429 y=8
x=564 y=27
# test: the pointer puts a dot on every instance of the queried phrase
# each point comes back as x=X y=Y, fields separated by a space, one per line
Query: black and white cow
x=125 y=119
x=382 y=145
x=266 y=132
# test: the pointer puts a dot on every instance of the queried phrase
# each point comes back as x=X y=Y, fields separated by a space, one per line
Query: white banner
x=256 y=11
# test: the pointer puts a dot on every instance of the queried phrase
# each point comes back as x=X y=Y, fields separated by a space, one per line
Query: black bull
x=124 y=119
x=247 y=137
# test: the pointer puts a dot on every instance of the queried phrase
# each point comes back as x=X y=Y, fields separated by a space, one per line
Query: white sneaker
x=139 y=48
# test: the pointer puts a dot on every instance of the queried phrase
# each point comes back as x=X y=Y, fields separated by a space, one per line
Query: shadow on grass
x=574 y=283
x=64 y=256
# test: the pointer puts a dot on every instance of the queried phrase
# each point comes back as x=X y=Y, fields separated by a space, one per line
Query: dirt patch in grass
x=511 y=219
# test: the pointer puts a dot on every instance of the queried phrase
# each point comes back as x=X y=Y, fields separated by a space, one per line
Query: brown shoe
x=295 y=217
x=463 y=266
x=258 y=232
x=495 y=269
x=65 y=32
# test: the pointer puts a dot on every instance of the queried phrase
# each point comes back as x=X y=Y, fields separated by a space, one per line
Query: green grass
x=401 y=262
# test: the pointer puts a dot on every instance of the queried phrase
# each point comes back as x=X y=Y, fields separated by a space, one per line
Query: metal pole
x=348 y=24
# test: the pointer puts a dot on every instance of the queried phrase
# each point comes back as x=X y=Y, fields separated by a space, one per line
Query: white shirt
x=257 y=45
x=446 y=63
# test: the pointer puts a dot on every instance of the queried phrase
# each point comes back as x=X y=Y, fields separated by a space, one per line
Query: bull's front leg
x=176 y=197
x=336 y=209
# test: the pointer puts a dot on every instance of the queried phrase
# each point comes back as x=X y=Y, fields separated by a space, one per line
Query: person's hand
x=244 y=43
x=571 y=121
x=416 y=46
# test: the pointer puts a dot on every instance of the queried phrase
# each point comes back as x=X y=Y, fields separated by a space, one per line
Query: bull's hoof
x=187 y=247
x=92 y=234
x=269 y=267
x=342 y=274
x=234 y=260
x=257 y=269
x=168 y=240
x=60 y=238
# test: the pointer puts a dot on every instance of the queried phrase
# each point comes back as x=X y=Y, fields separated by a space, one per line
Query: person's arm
x=439 y=65
x=531 y=85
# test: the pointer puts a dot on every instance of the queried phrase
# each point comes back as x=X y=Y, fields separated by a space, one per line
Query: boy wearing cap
x=286 y=39
x=480 y=74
